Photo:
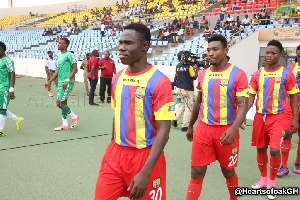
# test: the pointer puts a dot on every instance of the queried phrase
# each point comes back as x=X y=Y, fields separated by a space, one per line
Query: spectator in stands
x=138 y=9
x=223 y=12
x=140 y=21
x=179 y=34
x=175 y=21
x=264 y=8
x=231 y=41
x=149 y=24
x=141 y=14
x=158 y=7
x=204 y=43
x=160 y=34
x=261 y=20
x=172 y=9
x=227 y=25
x=186 y=21
x=109 y=20
x=166 y=35
x=218 y=23
x=189 y=29
x=230 y=18
x=235 y=6
x=207 y=31
x=174 y=35
x=77 y=30
x=180 y=23
x=203 y=22
x=102 y=29
x=74 y=22
x=254 y=20
x=267 y=19
x=126 y=4
x=238 y=21
x=246 y=21
x=31 y=15
x=218 y=30
x=194 y=21
x=45 y=32
x=234 y=28
x=113 y=32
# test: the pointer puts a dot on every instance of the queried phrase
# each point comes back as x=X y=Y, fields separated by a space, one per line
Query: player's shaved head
x=95 y=53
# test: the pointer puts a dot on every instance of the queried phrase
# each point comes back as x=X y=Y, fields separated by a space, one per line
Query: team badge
x=234 y=151
x=140 y=92
x=156 y=183
x=171 y=108
x=283 y=133
x=277 y=80
x=224 y=83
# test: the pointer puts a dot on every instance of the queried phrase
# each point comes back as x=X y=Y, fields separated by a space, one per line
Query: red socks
x=262 y=161
x=194 y=189
x=274 y=166
x=298 y=153
x=285 y=151
x=232 y=183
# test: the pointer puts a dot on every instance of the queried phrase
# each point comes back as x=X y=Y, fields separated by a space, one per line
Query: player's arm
x=115 y=70
x=12 y=84
x=51 y=79
x=72 y=75
x=195 y=113
x=93 y=72
x=113 y=130
x=82 y=65
x=294 y=126
x=140 y=182
x=229 y=135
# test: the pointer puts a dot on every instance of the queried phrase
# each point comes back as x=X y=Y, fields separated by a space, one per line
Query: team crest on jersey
x=277 y=80
x=283 y=133
x=171 y=108
x=140 y=92
x=61 y=60
x=234 y=151
x=224 y=83
x=156 y=183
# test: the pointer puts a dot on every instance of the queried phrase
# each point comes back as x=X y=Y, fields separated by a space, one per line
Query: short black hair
x=3 y=46
x=49 y=52
x=66 y=40
x=276 y=43
x=218 y=38
x=179 y=55
x=87 y=55
x=228 y=58
x=298 y=47
x=141 y=29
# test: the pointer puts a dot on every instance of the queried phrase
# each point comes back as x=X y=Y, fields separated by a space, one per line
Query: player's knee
x=198 y=172
x=228 y=173
x=287 y=135
x=262 y=150
x=274 y=152
x=59 y=104
x=3 y=112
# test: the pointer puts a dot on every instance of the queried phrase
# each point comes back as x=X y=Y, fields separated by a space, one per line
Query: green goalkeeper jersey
x=65 y=62
x=6 y=66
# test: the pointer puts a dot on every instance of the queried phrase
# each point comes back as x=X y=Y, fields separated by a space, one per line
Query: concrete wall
x=55 y=8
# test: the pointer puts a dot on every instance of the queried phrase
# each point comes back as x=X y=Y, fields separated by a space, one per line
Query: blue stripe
x=210 y=101
x=230 y=89
x=265 y=95
x=157 y=75
x=254 y=74
x=281 y=90
x=124 y=114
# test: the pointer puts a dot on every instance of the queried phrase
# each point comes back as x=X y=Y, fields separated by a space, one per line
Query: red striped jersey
x=271 y=87
x=219 y=91
x=139 y=99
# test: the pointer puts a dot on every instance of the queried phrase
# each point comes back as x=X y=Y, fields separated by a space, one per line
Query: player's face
x=2 y=52
x=106 y=55
x=272 y=55
x=61 y=44
x=216 y=53
x=298 y=56
x=131 y=49
x=50 y=54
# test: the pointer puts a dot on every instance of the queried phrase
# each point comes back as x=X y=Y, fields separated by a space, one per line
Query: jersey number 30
x=156 y=194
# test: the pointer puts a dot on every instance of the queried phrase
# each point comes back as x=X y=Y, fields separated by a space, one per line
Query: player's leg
x=109 y=90
x=92 y=91
x=260 y=139
x=50 y=74
x=180 y=110
x=85 y=78
x=102 y=89
x=4 y=101
x=189 y=95
x=2 y=121
x=196 y=182
x=232 y=181
x=18 y=120
x=296 y=167
x=285 y=151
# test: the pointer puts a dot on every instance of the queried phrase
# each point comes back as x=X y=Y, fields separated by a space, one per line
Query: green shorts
x=4 y=99
x=62 y=94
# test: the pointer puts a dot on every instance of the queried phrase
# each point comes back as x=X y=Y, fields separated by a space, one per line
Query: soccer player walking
x=134 y=164
x=67 y=68
x=271 y=83
x=7 y=84
x=286 y=142
x=222 y=103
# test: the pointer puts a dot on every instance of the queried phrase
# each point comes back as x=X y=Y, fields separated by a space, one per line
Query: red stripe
x=270 y=94
x=131 y=134
x=216 y=103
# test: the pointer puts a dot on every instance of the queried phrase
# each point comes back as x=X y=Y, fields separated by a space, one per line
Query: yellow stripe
x=223 y=97
x=204 y=96
x=261 y=91
x=251 y=90
x=140 y=124
x=276 y=93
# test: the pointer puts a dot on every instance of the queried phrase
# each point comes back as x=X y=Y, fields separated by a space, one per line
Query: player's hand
x=12 y=95
x=243 y=126
x=65 y=85
x=294 y=126
x=138 y=185
x=189 y=134
x=81 y=67
x=94 y=78
x=228 y=136
x=47 y=85
x=104 y=67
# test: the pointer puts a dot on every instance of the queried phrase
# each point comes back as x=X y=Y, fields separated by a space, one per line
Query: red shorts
x=120 y=165
x=289 y=114
x=207 y=148
x=269 y=130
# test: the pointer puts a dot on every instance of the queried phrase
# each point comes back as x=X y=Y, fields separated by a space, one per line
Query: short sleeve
x=241 y=85
x=291 y=84
x=253 y=87
x=46 y=63
x=94 y=62
x=10 y=65
x=199 y=87
x=72 y=58
x=163 y=102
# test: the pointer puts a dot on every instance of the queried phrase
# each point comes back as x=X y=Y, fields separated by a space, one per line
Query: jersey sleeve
x=163 y=102
x=72 y=58
x=241 y=84
x=253 y=87
x=199 y=87
x=10 y=65
x=291 y=84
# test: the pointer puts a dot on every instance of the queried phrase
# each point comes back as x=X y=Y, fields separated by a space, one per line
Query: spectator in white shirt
x=102 y=28
x=204 y=43
x=246 y=21
x=235 y=6
x=230 y=18
x=50 y=68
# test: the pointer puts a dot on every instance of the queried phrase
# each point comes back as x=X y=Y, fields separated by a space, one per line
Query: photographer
x=184 y=78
